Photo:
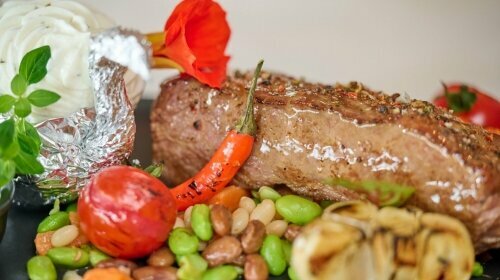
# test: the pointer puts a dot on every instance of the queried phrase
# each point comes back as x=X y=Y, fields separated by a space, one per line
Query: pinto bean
x=255 y=268
x=162 y=257
x=222 y=251
x=252 y=237
x=155 y=273
x=222 y=219
x=123 y=265
x=291 y=232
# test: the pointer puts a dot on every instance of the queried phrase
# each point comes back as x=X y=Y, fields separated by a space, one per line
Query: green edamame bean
x=477 y=270
x=53 y=222
x=292 y=274
x=69 y=257
x=272 y=252
x=191 y=267
x=287 y=249
x=182 y=242
x=228 y=272
x=268 y=193
x=41 y=268
x=325 y=203
x=72 y=207
x=297 y=210
x=200 y=222
x=97 y=256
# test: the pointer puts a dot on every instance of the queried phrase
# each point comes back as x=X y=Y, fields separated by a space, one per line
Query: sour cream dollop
x=66 y=26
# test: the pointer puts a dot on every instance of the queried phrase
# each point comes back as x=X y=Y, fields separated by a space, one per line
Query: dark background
x=17 y=246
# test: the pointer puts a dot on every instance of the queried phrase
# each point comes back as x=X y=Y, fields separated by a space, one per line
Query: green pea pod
x=268 y=193
x=69 y=257
x=97 y=256
x=191 y=267
x=72 y=207
x=273 y=253
x=287 y=249
x=41 y=268
x=182 y=242
x=200 y=222
x=297 y=210
x=226 y=272
x=53 y=222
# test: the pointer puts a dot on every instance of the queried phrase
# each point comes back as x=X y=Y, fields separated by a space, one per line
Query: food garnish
x=126 y=212
x=19 y=139
x=378 y=192
x=470 y=104
x=194 y=41
x=227 y=160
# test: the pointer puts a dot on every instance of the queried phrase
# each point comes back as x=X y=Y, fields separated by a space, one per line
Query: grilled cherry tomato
x=126 y=212
x=471 y=105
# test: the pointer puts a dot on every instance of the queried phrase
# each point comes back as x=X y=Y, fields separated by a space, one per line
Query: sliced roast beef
x=310 y=132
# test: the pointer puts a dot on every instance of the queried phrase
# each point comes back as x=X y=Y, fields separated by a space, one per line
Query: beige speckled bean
x=264 y=212
x=71 y=275
x=187 y=217
x=277 y=227
x=64 y=236
x=247 y=203
x=240 y=221
x=179 y=222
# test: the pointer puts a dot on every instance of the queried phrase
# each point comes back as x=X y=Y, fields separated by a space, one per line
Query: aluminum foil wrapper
x=75 y=147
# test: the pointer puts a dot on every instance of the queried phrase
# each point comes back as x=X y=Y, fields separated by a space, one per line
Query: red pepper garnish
x=194 y=40
x=225 y=163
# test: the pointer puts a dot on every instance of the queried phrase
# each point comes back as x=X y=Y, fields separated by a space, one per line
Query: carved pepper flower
x=194 y=40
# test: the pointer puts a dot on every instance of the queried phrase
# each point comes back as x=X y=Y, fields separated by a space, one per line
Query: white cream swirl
x=66 y=26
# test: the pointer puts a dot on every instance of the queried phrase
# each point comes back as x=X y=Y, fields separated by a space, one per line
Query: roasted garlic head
x=355 y=240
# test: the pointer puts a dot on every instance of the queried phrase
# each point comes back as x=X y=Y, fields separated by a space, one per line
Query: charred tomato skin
x=126 y=212
x=484 y=111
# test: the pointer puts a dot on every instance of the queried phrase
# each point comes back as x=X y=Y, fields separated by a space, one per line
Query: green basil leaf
x=6 y=103
x=34 y=64
x=7 y=133
x=7 y=171
x=22 y=108
x=28 y=144
x=42 y=98
x=18 y=85
x=31 y=132
x=27 y=164
x=11 y=151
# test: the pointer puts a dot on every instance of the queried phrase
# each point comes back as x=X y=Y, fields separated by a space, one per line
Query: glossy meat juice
x=310 y=132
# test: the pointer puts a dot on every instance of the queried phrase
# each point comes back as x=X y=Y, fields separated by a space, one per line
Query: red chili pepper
x=225 y=163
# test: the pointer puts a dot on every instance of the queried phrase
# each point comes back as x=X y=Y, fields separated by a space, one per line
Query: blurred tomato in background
x=471 y=105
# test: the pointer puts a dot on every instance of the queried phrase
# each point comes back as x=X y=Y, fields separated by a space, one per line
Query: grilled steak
x=308 y=132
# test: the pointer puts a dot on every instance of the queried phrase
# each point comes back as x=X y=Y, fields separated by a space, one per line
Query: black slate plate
x=17 y=246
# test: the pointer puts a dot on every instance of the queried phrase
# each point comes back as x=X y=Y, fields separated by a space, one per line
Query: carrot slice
x=105 y=273
x=43 y=243
x=229 y=197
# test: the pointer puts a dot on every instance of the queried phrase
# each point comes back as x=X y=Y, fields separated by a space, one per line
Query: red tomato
x=485 y=110
x=126 y=212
